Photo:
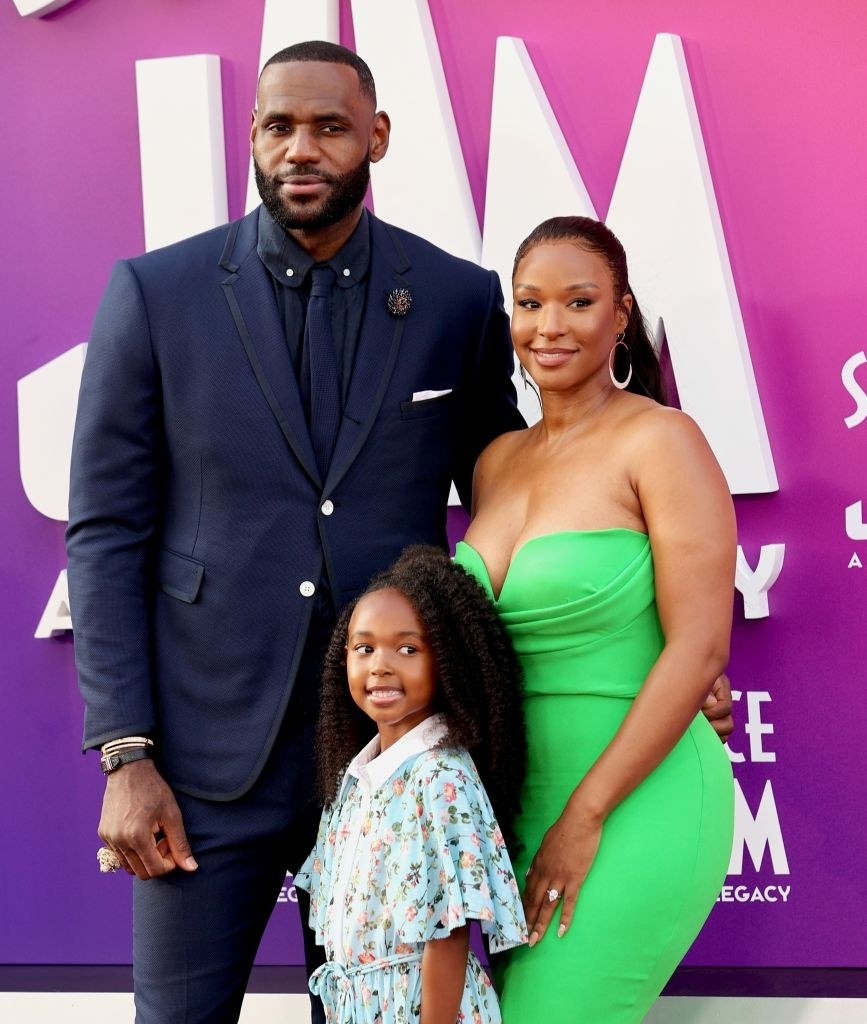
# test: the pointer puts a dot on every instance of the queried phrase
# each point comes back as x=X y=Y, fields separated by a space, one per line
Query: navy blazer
x=198 y=523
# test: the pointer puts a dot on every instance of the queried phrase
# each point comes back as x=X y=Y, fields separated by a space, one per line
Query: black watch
x=111 y=762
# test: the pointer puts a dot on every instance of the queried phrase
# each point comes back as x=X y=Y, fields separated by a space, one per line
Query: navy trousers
x=195 y=935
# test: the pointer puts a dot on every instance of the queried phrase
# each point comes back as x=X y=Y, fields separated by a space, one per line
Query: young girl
x=408 y=850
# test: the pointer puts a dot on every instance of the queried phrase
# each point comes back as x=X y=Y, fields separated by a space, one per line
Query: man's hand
x=142 y=823
x=717 y=709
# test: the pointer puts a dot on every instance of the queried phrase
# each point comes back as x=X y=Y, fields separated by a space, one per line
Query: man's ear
x=379 y=135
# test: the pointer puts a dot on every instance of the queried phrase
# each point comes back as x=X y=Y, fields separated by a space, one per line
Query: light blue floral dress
x=409 y=851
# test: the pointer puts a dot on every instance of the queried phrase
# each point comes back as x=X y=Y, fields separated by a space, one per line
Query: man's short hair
x=327 y=53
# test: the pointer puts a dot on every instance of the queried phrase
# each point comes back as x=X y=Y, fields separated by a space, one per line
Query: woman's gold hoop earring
x=619 y=384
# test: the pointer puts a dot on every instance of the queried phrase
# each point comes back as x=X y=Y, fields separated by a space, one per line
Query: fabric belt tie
x=319 y=368
x=332 y=981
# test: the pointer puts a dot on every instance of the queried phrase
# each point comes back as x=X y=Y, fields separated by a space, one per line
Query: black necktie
x=319 y=368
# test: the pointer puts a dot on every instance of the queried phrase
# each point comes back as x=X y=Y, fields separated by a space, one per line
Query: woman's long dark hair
x=594 y=236
x=480 y=684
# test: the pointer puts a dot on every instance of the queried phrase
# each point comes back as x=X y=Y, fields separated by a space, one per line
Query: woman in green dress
x=605 y=535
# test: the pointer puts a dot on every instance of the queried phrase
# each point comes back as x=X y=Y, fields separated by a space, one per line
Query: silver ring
x=108 y=860
x=553 y=895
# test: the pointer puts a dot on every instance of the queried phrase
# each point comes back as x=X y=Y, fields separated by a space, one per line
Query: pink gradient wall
x=780 y=96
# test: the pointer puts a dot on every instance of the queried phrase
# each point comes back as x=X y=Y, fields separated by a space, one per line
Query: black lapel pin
x=399 y=301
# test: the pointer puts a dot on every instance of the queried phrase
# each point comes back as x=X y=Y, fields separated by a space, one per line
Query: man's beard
x=346 y=193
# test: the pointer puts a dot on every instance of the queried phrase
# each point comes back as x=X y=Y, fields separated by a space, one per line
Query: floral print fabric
x=417 y=857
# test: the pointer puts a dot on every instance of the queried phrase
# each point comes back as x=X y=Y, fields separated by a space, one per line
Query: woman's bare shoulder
x=671 y=456
x=654 y=424
x=495 y=462
x=501 y=449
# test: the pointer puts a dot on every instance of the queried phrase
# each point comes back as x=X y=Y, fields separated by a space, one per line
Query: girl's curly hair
x=480 y=688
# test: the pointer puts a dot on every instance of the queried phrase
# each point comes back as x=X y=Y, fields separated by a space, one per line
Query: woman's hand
x=717 y=708
x=560 y=866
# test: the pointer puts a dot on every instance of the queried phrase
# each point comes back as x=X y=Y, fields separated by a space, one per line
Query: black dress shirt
x=289 y=266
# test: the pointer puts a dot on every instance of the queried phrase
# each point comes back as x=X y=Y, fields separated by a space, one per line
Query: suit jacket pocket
x=428 y=406
x=179 y=576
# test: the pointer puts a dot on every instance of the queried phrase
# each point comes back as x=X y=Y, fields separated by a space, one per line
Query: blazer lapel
x=376 y=352
x=249 y=293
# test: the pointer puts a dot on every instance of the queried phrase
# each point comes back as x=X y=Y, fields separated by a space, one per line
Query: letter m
x=758 y=833
x=664 y=210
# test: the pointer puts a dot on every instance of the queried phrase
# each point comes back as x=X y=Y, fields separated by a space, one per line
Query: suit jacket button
x=327 y=507
x=307 y=589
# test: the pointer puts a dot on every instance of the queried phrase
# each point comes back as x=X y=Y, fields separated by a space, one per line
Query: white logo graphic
x=663 y=206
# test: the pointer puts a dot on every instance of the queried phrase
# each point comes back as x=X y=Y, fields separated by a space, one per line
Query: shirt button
x=346 y=271
x=290 y=272
x=307 y=589
x=327 y=507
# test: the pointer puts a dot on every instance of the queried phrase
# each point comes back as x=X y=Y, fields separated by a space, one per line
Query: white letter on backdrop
x=856 y=528
x=183 y=162
x=855 y=390
x=47 y=400
x=422 y=183
x=754 y=584
x=56 y=618
x=665 y=212
x=757 y=833
x=36 y=8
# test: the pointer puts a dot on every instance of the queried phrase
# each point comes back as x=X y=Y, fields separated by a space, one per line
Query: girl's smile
x=382 y=696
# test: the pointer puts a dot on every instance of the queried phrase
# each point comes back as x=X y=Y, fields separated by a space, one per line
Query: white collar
x=373 y=768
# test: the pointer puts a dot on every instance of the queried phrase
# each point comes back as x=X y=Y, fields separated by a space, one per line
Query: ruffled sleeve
x=454 y=866
x=314 y=875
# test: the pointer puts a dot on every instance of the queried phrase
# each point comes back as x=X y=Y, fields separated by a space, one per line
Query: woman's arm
x=443 y=974
x=690 y=520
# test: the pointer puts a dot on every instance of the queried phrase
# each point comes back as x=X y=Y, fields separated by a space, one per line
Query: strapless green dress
x=581 y=611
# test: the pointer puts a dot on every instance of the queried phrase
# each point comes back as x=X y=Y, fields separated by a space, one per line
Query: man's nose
x=302 y=147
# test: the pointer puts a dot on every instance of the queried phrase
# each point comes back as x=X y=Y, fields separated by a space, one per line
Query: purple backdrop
x=780 y=99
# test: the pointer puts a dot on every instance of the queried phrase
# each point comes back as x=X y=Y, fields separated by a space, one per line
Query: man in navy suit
x=212 y=535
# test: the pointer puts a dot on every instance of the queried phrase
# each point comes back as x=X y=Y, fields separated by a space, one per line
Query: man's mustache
x=300 y=171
